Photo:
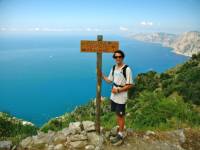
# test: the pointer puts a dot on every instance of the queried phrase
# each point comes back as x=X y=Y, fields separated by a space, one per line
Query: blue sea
x=45 y=76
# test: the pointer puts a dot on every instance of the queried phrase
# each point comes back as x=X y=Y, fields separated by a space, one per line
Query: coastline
x=179 y=53
x=176 y=52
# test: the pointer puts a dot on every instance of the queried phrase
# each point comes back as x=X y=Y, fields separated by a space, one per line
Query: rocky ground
x=82 y=135
x=182 y=139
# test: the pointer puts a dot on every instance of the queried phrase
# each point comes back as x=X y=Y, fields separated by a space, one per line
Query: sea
x=42 y=77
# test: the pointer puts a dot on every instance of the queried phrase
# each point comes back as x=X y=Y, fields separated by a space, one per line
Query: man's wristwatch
x=117 y=90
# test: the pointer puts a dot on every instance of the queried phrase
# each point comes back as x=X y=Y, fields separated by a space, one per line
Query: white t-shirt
x=119 y=79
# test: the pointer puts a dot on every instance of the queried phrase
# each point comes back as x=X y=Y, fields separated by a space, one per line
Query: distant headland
x=186 y=44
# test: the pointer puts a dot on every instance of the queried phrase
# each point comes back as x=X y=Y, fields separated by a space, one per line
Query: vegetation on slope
x=15 y=129
x=183 y=79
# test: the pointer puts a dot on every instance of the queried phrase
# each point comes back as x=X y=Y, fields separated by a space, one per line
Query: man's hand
x=123 y=89
x=114 y=90
x=105 y=78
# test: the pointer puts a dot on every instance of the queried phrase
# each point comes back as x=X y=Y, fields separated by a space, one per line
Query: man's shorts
x=118 y=108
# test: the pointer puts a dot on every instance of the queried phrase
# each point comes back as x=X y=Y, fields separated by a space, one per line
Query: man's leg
x=119 y=137
x=120 y=117
x=121 y=123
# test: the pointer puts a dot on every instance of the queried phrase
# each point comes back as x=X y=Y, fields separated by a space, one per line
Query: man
x=121 y=77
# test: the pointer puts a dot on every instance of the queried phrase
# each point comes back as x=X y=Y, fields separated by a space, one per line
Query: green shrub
x=154 y=110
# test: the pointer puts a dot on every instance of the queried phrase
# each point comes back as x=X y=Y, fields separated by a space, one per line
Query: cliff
x=186 y=44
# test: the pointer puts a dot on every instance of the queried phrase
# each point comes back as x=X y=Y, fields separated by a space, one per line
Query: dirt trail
x=187 y=139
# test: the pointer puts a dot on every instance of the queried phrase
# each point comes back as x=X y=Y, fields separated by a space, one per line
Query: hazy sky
x=99 y=16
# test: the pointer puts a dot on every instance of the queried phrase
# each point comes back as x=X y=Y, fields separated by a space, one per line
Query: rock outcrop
x=5 y=145
x=82 y=136
x=79 y=135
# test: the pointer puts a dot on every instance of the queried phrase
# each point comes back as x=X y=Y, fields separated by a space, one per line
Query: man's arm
x=106 y=79
x=129 y=82
x=123 y=89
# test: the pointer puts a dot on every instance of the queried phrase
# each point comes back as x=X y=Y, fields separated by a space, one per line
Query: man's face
x=118 y=58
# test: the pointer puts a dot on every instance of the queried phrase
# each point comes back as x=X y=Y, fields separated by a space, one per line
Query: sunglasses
x=117 y=57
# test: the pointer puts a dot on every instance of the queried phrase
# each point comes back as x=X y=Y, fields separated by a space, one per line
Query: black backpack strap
x=113 y=69
x=124 y=70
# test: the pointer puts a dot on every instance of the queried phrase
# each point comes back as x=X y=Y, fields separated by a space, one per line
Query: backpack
x=123 y=71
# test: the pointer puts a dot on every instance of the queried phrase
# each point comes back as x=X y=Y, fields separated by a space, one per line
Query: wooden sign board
x=99 y=46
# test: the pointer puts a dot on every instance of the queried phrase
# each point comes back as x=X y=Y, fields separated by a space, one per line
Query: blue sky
x=99 y=16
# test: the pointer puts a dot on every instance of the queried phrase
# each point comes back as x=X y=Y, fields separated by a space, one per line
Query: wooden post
x=98 y=90
x=98 y=46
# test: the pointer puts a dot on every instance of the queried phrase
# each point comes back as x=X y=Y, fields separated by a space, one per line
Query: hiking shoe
x=117 y=140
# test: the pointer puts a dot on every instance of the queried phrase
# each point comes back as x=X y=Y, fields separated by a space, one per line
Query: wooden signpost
x=99 y=47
